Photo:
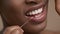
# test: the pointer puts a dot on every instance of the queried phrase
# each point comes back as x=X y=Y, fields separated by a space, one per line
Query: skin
x=13 y=30
x=12 y=12
x=57 y=5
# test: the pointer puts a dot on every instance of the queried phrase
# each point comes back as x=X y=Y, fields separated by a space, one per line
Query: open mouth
x=34 y=12
x=37 y=15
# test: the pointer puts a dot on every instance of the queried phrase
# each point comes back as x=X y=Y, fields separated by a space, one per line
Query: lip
x=32 y=8
x=40 y=17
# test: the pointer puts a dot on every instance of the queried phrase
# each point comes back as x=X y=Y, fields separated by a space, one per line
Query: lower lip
x=39 y=17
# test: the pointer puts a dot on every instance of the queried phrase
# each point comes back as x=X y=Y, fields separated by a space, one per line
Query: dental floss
x=26 y=22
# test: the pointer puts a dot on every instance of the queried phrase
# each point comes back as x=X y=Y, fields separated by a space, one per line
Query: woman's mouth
x=36 y=15
x=35 y=12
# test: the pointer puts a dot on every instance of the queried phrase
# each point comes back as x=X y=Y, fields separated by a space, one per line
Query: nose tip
x=31 y=2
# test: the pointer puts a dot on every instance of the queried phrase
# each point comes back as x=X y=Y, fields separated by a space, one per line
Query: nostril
x=31 y=2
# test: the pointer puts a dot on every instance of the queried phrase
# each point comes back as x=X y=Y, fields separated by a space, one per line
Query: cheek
x=12 y=2
x=15 y=3
x=45 y=1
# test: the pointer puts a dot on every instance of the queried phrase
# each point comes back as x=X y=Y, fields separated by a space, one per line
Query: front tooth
x=40 y=10
x=33 y=12
x=36 y=12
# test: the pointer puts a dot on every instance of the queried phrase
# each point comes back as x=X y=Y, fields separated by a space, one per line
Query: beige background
x=53 y=18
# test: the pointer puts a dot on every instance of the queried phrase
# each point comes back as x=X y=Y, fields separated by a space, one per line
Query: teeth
x=32 y=12
x=40 y=10
x=35 y=12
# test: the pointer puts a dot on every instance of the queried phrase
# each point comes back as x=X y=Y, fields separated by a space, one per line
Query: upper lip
x=32 y=8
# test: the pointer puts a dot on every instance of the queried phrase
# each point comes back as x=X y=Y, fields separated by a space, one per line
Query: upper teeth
x=35 y=12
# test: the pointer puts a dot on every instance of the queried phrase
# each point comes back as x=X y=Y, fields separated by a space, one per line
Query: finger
x=13 y=29
x=16 y=31
x=57 y=6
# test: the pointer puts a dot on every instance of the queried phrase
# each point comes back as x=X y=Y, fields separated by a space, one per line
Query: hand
x=57 y=6
x=13 y=30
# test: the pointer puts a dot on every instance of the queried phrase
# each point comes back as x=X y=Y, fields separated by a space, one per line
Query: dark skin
x=13 y=14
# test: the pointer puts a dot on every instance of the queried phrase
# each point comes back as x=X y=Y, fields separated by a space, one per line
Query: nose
x=31 y=2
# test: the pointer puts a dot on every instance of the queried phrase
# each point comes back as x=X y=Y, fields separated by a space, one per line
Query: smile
x=36 y=14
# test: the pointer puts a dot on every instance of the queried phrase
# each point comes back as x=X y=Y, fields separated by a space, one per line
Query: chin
x=34 y=29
